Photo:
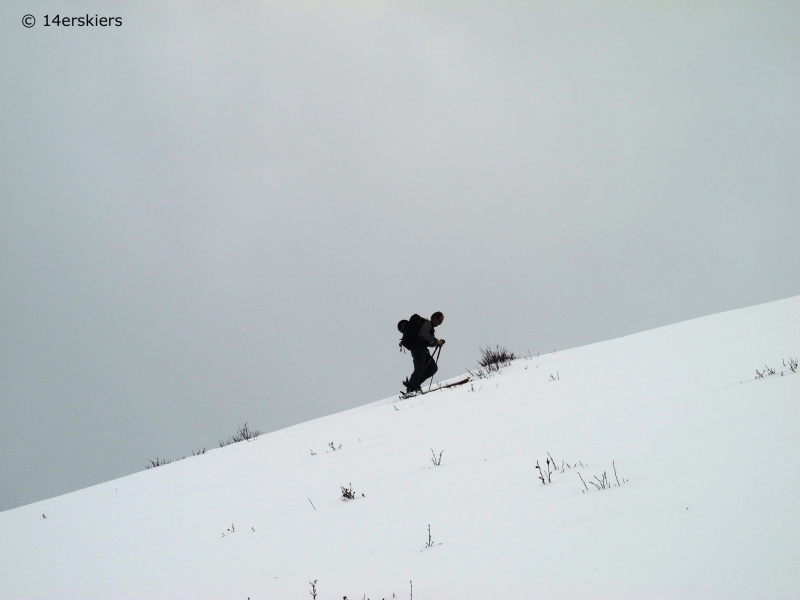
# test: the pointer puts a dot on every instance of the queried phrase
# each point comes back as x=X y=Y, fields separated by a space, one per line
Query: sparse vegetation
x=333 y=446
x=243 y=434
x=158 y=462
x=436 y=461
x=551 y=467
x=791 y=365
x=603 y=482
x=347 y=493
x=313 y=591
x=765 y=373
x=498 y=356
x=429 y=543
x=482 y=372
x=491 y=361
x=544 y=475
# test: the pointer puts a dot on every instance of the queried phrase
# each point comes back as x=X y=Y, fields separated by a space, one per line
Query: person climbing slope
x=418 y=335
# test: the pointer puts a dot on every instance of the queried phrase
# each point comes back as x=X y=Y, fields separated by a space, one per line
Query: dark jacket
x=426 y=335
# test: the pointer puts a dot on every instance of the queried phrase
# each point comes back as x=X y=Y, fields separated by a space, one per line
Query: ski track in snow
x=707 y=456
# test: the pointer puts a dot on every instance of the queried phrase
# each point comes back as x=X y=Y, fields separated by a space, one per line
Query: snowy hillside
x=706 y=454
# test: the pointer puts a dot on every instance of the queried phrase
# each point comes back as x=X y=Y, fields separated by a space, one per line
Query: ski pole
x=439 y=349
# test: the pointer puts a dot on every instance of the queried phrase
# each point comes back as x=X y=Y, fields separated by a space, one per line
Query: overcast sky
x=218 y=212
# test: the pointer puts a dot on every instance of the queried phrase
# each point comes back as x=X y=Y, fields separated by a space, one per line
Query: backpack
x=410 y=330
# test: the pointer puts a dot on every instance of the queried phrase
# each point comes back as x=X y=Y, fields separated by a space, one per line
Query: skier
x=424 y=365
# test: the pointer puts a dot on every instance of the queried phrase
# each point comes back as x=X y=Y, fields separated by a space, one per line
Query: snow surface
x=708 y=457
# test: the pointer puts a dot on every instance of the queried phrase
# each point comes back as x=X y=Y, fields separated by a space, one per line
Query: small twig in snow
x=541 y=475
x=313 y=591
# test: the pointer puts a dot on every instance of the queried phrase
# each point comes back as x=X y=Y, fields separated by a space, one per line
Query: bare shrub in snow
x=498 y=356
x=482 y=372
x=436 y=461
x=243 y=434
x=348 y=493
x=158 y=462
x=551 y=467
x=792 y=365
x=333 y=446
x=313 y=591
x=491 y=361
x=765 y=373
x=555 y=377
x=165 y=461
x=603 y=482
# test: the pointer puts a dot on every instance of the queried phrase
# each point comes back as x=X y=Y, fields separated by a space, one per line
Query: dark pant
x=424 y=367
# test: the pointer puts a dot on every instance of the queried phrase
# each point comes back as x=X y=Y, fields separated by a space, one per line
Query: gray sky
x=218 y=212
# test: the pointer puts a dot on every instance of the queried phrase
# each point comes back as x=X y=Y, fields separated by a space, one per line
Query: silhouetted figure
x=419 y=335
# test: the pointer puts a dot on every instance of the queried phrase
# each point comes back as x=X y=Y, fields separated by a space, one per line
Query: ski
x=406 y=395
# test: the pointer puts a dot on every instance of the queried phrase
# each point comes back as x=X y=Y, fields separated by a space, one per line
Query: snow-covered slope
x=707 y=455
